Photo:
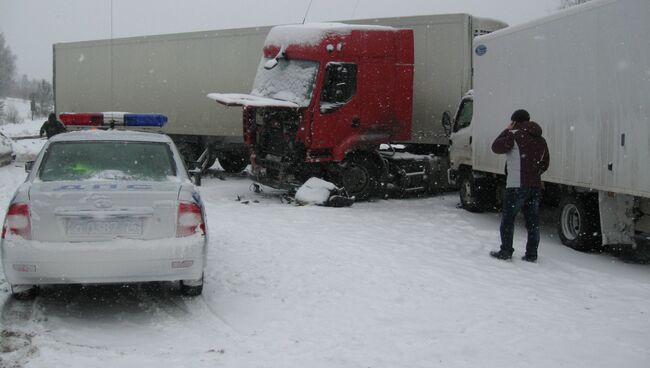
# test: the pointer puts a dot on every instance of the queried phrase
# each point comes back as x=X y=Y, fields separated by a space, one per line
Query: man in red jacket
x=526 y=159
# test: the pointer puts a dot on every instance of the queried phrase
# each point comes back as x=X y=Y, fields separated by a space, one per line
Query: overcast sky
x=32 y=26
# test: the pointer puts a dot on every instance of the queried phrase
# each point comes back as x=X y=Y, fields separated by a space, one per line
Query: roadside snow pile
x=27 y=149
x=27 y=127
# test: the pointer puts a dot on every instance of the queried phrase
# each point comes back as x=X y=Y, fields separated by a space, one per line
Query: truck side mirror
x=28 y=166
x=194 y=169
x=446 y=122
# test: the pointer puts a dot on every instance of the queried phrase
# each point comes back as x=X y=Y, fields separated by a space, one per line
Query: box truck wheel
x=359 y=176
x=579 y=222
x=233 y=163
x=471 y=195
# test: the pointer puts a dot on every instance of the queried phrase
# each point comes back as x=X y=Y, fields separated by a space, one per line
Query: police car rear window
x=108 y=160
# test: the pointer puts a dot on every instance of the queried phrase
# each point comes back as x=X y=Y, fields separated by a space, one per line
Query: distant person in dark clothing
x=526 y=159
x=32 y=104
x=52 y=127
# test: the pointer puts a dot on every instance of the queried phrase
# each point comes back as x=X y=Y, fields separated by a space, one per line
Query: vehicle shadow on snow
x=106 y=302
x=92 y=304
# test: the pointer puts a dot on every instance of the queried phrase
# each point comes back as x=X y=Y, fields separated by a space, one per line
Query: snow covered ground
x=389 y=283
x=24 y=149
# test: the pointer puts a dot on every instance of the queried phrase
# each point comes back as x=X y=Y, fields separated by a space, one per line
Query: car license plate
x=131 y=226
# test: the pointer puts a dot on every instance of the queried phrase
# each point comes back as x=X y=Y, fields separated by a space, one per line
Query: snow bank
x=312 y=33
x=27 y=149
x=314 y=191
x=27 y=127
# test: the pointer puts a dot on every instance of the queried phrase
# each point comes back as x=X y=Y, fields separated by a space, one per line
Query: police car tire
x=188 y=290
x=28 y=294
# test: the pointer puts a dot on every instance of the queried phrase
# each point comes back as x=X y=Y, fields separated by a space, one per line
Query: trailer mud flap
x=616 y=218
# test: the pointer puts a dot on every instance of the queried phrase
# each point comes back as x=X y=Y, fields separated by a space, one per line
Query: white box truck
x=584 y=76
x=171 y=74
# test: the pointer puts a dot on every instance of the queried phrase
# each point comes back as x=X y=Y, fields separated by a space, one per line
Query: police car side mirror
x=28 y=166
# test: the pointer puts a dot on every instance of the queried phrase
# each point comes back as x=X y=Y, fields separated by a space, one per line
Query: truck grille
x=272 y=140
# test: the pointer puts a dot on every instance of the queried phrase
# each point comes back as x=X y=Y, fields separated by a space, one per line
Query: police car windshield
x=107 y=160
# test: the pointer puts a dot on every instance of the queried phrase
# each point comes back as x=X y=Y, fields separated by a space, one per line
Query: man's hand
x=511 y=126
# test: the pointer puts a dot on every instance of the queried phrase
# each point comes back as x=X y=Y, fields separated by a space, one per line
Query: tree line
x=37 y=90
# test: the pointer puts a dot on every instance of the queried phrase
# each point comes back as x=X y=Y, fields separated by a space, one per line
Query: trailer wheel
x=233 y=163
x=470 y=193
x=358 y=176
x=579 y=222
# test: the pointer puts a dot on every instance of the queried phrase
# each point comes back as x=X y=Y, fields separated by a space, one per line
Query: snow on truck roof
x=312 y=34
x=110 y=135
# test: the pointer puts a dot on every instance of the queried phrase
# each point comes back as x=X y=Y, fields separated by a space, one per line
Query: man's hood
x=531 y=128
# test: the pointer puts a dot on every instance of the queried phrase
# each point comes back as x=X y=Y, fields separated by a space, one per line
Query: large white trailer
x=584 y=76
x=171 y=74
x=168 y=74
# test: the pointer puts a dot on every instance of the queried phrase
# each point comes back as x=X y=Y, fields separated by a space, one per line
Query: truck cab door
x=337 y=116
x=461 y=136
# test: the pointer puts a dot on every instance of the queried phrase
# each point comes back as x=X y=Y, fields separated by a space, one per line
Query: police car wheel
x=192 y=288
x=24 y=292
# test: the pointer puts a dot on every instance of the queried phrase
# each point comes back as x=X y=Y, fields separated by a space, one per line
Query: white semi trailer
x=171 y=74
x=168 y=74
x=584 y=76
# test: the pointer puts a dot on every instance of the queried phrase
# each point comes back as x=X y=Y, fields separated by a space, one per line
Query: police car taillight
x=18 y=221
x=190 y=219
x=82 y=118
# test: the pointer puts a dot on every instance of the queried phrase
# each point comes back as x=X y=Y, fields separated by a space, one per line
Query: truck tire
x=579 y=222
x=359 y=176
x=471 y=195
x=233 y=163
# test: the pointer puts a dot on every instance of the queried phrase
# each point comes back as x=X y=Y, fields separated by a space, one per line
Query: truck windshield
x=291 y=80
x=107 y=160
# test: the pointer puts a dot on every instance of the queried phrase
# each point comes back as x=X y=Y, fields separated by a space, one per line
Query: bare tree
x=44 y=97
x=7 y=67
x=569 y=3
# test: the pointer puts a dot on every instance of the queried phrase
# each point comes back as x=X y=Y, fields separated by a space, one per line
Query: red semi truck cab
x=324 y=97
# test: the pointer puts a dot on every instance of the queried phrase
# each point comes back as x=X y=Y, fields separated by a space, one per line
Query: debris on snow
x=320 y=192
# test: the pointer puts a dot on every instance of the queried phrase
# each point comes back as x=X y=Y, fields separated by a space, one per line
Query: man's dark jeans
x=526 y=200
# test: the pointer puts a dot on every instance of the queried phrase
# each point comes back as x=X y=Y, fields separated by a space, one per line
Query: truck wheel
x=358 y=177
x=470 y=194
x=579 y=222
x=233 y=163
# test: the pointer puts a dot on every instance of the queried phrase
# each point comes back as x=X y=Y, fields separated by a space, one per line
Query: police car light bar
x=83 y=119
x=150 y=120
x=112 y=119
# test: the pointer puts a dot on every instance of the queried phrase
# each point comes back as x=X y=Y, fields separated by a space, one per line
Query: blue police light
x=149 y=120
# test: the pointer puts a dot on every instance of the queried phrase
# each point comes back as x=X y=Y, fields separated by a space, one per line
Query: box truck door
x=461 y=136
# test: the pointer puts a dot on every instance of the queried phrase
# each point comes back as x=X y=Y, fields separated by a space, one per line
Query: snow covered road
x=389 y=283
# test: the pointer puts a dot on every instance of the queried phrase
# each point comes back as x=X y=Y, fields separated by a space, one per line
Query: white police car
x=105 y=207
